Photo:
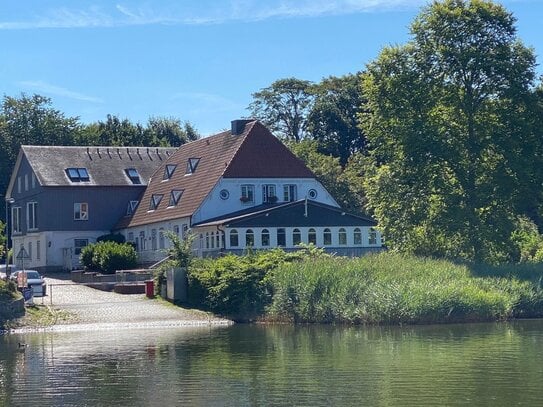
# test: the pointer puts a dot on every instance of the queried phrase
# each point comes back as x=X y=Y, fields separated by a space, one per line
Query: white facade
x=58 y=249
x=225 y=197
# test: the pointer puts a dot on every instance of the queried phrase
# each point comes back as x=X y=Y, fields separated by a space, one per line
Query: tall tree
x=30 y=120
x=451 y=133
x=170 y=131
x=284 y=107
x=333 y=119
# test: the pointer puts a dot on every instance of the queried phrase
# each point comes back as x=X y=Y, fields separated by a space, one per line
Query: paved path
x=95 y=309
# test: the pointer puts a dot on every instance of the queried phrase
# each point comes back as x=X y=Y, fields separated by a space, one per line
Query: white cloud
x=48 y=89
x=211 y=12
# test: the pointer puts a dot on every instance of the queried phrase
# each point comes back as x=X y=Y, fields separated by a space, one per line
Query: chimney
x=239 y=125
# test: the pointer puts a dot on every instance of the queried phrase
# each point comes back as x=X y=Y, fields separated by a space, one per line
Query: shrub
x=112 y=237
x=108 y=257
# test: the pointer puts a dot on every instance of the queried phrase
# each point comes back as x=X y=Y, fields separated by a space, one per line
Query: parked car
x=34 y=281
x=12 y=268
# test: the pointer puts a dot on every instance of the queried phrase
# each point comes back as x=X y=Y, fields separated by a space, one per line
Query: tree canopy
x=452 y=131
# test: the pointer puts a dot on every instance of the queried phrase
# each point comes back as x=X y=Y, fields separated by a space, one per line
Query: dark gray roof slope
x=105 y=165
x=293 y=214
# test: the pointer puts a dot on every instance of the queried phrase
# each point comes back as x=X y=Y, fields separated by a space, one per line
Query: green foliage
x=453 y=130
x=112 y=237
x=8 y=290
x=108 y=257
x=283 y=107
x=238 y=286
x=393 y=288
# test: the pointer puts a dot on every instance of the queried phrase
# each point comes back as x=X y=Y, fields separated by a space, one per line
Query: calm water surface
x=459 y=365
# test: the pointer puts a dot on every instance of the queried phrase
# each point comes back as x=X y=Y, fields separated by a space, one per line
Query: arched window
x=265 y=237
x=296 y=237
x=342 y=236
x=212 y=240
x=372 y=238
x=249 y=238
x=207 y=240
x=281 y=237
x=312 y=236
x=357 y=236
x=218 y=240
x=327 y=237
x=234 y=241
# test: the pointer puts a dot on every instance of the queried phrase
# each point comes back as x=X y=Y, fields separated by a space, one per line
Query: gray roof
x=105 y=165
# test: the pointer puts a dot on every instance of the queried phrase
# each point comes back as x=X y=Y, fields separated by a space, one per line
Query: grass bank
x=377 y=289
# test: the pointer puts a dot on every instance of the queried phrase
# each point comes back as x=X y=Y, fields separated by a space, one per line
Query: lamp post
x=9 y=202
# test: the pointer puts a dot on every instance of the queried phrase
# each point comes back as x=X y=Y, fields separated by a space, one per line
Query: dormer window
x=133 y=174
x=155 y=201
x=168 y=171
x=132 y=205
x=192 y=163
x=175 y=196
x=78 y=174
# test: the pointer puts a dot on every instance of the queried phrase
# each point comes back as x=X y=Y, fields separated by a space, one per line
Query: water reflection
x=486 y=364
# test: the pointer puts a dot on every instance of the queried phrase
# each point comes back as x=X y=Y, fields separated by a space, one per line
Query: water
x=452 y=365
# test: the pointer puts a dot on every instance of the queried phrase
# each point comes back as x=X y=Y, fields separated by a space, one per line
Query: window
x=296 y=237
x=281 y=237
x=247 y=193
x=155 y=201
x=212 y=240
x=132 y=205
x=133 y=175
x=327 y=237
x=175 y=196
x=19 y=185
x=16 y=219
x=249 y=238
x=176 y=230
x=130 y=237
x=78 y=174
x=207 y=240
x=342 y=235
x=265 y=237
x=81 y=211
x=38 y=249
x=184 y=231
x=33 y=180
x=153 y=239
x=80 y=244
x=32 y=215
x=26 y=182
x=218 y=240
x=372 y=238
x=312 y=236
x=357 y=236
x=312 y=193
x=168 y=171
x=234 y=241
x=268 y=193
x=161 y=238
x=29 y=250
x=192 y=163
x=224 y=194
x=143 y=245
x=289 y=193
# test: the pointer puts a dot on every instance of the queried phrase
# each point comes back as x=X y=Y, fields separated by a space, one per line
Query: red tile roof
x=254 y=153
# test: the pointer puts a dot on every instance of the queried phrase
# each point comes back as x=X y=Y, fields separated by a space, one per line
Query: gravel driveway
x=95 y=309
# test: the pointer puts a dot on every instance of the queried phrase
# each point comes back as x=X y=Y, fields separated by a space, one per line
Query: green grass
x=392 y=288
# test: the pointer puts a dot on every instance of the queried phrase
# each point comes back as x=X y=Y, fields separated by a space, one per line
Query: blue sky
x=197 y=60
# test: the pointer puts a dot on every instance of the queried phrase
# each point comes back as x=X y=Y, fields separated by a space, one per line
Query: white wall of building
x=214 y=205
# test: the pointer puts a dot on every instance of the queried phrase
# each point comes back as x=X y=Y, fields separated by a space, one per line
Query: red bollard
x=150 y=288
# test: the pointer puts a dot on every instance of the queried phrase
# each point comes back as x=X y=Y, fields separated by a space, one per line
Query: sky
x=197 y=61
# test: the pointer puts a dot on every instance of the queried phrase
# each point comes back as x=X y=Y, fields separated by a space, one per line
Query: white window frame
x=81 y=211
x=248 y=193
x=32 y=216
x=290 y=192
x=38 y=249
x=16 y=220
x=79 y=247
x=269 y=193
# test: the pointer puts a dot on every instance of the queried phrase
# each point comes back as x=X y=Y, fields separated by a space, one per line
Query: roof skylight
x=133 y=174
x=155 y=201
x=78 y=174
x=168 y=171
x=192 y=163
x=175 y=196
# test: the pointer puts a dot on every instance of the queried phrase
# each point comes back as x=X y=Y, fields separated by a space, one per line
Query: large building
x=237 y=189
